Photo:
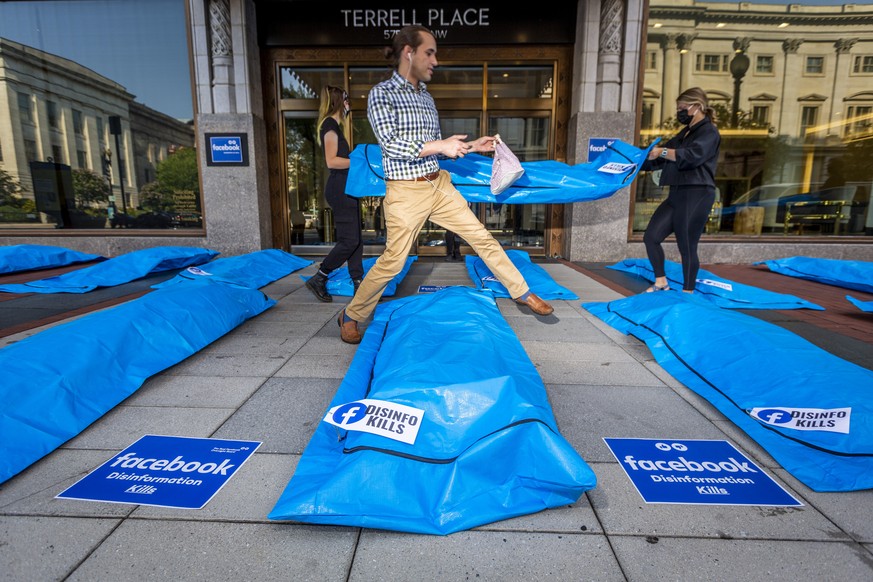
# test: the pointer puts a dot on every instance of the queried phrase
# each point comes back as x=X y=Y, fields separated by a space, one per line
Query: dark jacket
x=696 y=156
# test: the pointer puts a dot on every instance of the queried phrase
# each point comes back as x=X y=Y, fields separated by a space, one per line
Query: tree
x=10 y=190
x=90 y=188
x=156 y=197
x=179 y=171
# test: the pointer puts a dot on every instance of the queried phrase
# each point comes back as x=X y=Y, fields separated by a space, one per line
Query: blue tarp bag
x=721 y=292
x=866 y=306
x=810 y=410
x=487 y=445
x=856 y=275
x=17 y=258
x=252 y=270
x=117 y=271
x=545 y=181
x=59 y=381
x=339 y=283
x=539 y=281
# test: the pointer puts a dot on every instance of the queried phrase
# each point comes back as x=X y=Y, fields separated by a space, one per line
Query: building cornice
x=710 y=15
x=50 y=64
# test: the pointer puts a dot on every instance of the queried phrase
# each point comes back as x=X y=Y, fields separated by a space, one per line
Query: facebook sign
x=597 y=146
x=227 y=149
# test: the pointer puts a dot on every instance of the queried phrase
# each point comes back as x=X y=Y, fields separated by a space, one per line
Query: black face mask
x=683 y=116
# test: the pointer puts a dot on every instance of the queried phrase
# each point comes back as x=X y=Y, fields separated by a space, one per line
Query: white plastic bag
x=505 y=169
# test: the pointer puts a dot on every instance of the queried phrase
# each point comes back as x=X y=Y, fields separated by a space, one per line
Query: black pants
x=349 y=244
x=453 y=245
x=684 y=213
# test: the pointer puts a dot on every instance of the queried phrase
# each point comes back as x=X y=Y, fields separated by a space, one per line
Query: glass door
x=519 y=225
x=432 y=238
x=515 y=101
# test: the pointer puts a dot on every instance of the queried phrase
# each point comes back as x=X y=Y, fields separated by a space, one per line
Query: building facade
x=76 y=143
x=548 y=83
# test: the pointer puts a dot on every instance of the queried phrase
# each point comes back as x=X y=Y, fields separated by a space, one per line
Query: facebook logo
x=349 y=413
x=773 y=416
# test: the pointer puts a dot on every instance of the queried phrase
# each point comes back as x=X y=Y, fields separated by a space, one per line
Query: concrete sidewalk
x=271 y=379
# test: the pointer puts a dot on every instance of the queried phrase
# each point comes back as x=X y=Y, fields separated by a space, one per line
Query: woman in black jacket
x=687 y=163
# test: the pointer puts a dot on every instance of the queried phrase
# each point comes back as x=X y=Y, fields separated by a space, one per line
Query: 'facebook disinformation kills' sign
x=164 y=471
x=696 y=472
x=380 y=417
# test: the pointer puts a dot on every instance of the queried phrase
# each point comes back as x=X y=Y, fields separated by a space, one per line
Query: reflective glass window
x=794 y=106
x=100 y=83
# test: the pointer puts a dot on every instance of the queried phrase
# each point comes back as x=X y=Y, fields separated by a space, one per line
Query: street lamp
x=739 y=66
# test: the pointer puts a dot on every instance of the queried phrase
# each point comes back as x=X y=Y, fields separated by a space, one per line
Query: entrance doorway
x=519 y=100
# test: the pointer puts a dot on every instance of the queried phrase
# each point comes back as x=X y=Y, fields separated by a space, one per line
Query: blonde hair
x=697 y=96
x=332 y=99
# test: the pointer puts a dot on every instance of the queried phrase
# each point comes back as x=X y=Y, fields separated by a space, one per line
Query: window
x=863 y=65
x=58 y=107
x=652 y=60
x=808 y=118
x=648 y=119
x=814 y=66
x=30 y=150
x=710 y=63
x=25 y=107
x=859 y=120
x=764 y=65
x=78 y=125
x=761 y=115
x=100 y=138
x=51 y=109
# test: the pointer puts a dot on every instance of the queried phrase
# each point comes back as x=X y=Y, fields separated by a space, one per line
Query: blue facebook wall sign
x=164 y=471
x=702 y=472
x=227 y=149
x=597 y=146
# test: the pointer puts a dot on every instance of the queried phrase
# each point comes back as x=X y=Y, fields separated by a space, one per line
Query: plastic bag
x=505 y=169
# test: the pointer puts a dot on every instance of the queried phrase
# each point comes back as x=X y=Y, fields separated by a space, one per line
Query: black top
x=342 y=146
x=696 y=156
x=336 y=180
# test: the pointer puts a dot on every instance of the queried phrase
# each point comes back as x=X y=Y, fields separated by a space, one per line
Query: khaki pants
x=408 y=205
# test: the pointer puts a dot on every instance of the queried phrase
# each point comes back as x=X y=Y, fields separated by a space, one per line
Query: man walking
x=405 y=120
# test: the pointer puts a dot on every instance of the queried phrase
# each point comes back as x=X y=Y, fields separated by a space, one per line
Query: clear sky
x=140 y=44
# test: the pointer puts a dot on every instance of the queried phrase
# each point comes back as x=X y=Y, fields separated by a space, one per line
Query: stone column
x=236 y=199
x=686 y=63
x=222 y=56
x=788 y=110
x=608 y=33
x=842 y=67
x=609 y=55
x=670 y=79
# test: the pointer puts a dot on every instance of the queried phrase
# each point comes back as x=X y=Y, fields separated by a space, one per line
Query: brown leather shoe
x=536 y=305
x=348 y=330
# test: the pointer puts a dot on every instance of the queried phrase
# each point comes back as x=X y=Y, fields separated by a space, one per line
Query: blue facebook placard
x=165 y=471
x=597 y=146
x=226 y=149
x=696 y=472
